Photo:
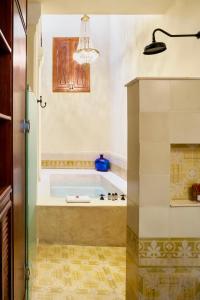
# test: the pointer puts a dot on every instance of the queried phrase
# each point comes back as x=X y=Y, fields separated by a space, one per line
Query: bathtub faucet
x=102 y=197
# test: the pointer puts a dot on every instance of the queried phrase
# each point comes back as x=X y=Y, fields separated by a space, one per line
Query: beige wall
x=76 y=125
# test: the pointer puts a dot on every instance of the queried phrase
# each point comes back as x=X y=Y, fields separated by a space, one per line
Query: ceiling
x=104 y=6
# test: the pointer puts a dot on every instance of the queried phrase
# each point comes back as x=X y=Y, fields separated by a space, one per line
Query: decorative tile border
x=176 y=251
x=67 y=164
x=80 y=164
x=163 y=251
x=169 y=248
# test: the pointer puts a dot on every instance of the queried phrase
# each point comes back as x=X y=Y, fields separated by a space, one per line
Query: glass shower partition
x=32 y=142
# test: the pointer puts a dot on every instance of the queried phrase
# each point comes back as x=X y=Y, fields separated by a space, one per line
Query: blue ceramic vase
x=102 y=164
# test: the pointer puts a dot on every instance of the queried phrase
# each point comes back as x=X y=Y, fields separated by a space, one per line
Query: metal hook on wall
x=40 y=101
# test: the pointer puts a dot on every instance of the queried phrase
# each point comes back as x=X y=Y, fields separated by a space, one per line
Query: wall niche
x=184 y=172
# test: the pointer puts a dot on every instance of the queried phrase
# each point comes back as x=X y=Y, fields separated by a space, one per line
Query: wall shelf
x=184 y=172
x=4 y=46
x=184 y=203
x=5 y=117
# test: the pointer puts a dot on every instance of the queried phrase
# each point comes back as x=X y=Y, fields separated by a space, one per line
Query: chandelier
x=85 y=53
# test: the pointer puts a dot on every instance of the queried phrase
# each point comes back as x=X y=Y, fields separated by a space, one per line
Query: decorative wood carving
x=68 y=75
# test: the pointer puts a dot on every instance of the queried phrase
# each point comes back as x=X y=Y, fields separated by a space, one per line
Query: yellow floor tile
x=79 y=273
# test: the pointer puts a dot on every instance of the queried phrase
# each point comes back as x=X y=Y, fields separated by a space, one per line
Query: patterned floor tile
x=79 y=273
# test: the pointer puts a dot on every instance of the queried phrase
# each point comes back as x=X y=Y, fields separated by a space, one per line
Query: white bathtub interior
x=56 y=185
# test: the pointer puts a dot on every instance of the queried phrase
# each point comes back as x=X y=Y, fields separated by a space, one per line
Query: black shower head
x=154 y=48
x=158 y=47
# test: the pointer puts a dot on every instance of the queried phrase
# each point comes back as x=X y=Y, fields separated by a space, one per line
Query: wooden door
x=19 y=85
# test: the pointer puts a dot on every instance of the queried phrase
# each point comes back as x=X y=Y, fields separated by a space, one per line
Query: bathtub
x=100 y=222
x=54 y=183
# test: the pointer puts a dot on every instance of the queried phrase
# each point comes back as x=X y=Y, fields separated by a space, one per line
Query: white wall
x=76 y=124
x=124 y=55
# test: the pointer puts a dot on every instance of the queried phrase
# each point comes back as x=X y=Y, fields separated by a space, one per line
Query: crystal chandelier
x=85 y=53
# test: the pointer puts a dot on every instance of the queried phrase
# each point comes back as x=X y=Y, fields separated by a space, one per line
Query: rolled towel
x=78 y=199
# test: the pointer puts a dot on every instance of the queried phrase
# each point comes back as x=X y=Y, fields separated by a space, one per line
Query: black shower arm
x=197 y=35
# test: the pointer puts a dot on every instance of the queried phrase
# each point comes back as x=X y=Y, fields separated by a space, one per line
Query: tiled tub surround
x=101 y=223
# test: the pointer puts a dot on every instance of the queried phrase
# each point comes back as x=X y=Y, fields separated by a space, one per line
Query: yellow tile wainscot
x=163 y=269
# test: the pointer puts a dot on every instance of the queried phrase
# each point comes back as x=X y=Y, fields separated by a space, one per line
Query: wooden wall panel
x=19 y=87
x=68 y=75
x=6 y=270
x=5 y=252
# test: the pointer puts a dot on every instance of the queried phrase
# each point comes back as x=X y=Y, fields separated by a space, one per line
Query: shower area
x=90 y=234
x=77 y=241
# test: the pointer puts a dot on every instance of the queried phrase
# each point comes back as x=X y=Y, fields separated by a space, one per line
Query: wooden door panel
x=5 y=251
x=68 y=75
x=19 y=85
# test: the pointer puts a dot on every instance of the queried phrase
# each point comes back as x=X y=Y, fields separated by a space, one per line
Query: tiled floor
x=79 y=273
